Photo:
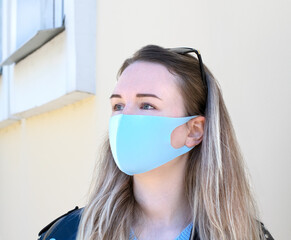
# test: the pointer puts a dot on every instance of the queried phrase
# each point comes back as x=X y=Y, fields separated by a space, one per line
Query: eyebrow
x=139 y=95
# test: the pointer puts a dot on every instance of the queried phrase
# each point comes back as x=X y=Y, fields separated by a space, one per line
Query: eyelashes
x=143 y=106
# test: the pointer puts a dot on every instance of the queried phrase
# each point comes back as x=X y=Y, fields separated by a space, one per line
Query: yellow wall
x=46 y=164
x=46 y=161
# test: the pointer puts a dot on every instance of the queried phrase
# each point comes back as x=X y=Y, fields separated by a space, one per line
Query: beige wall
x=46 y=161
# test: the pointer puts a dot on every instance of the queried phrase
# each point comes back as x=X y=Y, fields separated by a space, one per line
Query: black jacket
x=66 y=226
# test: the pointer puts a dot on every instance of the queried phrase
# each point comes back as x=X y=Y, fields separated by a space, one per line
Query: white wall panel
x=59 y=72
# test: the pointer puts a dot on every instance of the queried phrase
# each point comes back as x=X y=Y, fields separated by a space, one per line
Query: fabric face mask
x=140 y=143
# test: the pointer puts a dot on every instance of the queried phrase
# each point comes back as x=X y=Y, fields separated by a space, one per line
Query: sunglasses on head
x=186 y=50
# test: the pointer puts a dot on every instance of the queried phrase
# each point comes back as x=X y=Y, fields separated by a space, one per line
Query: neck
x=160 y=193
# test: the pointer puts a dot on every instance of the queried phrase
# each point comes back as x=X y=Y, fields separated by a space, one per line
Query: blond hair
x=216 y=182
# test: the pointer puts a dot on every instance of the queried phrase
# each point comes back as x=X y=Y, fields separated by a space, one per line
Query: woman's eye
x=117 y=107
x=147 y=106
x=144 y=106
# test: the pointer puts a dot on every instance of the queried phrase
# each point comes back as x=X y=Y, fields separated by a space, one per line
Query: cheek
x=178 y=136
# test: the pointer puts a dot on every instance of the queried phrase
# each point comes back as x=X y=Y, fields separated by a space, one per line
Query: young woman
x=171 y=167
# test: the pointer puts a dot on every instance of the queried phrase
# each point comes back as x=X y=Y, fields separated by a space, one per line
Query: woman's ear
x=195 y=131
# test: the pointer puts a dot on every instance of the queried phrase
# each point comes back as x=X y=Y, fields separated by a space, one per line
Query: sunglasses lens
x=185 y=50
x=182 y=50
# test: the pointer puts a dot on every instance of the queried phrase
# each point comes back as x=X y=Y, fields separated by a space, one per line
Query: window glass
x=1 y=35
x=35 y=15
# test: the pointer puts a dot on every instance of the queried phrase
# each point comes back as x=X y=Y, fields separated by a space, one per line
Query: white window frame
x=79 y=41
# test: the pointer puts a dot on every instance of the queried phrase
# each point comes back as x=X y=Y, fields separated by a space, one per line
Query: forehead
x=147 y=76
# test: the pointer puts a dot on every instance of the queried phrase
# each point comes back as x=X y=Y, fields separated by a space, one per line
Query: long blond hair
x=216 y=182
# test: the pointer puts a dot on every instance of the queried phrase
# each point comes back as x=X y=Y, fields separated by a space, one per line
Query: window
x=37 y=22
x=35 y=15
x=60 y=68
x=1 y=35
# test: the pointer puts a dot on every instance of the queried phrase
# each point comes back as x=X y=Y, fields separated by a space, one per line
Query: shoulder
x=266 y=233
x=268 y=236
x=64 y=227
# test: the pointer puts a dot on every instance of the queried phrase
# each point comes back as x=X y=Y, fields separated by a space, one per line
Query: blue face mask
x=140 y=143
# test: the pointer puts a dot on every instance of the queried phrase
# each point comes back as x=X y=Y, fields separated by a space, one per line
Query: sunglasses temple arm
x=202 y=70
